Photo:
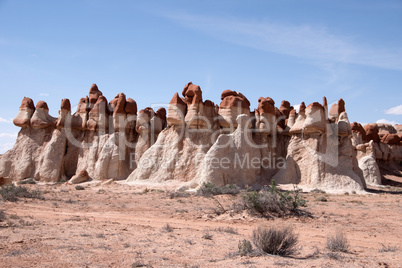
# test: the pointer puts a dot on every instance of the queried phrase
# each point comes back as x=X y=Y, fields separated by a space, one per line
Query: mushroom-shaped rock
x=25 y=113
x=176 y=111
x=359 y=135
x=285 y=108
x=343 y=125
x=336 y=110
x=94 y=94
x=315 y=119
x=143 y=120
x=82 y=176
x=325 y=105
x=131 y=106
x=41 y=117
x=301 y=117
x=117 y=105
x=372 y=132
x=265 y=115
x=98 y=117
x=158 y=121
x=80 y=117
x=192 y=93
x=233 y=104
x=390 y=139
x=292 y=118
x=193 y=97
x=209 y=115
x=385 y=129
x=64 y=113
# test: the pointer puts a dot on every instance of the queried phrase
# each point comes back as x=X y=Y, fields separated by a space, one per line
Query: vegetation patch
x=12 y=193
x=338 y=242
x=210 y=189
x=276 y=241
x=273 y=201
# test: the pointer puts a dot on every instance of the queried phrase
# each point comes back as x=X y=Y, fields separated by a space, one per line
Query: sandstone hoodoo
x=196 y=141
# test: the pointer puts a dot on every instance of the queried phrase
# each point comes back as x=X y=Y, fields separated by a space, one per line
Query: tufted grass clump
x=338 y=242
x=276 y=240
x=12 y=193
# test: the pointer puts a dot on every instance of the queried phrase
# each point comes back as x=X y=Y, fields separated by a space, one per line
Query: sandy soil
x=119 y=225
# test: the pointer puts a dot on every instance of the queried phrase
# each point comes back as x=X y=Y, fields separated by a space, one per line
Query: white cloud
x=3 y=120
x=8 y=135
x=303 y=41
x=385 y=121
x=44 y=94
x=395 y=110
x=296 y=107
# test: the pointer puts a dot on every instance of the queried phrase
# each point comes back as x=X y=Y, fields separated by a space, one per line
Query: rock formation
x=196 y=141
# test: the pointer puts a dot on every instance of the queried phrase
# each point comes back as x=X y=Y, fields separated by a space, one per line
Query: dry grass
x=276 y=241
x=338 y=242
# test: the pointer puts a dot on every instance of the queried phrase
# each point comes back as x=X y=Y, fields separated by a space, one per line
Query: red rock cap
x=372 y=132
x=65 y=105
x=234 y=99
x=192 y=93
x=42 y=105
x=27 y=103
x=131 y=106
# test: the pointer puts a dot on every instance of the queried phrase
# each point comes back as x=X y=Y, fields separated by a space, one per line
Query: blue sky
x=287 y=50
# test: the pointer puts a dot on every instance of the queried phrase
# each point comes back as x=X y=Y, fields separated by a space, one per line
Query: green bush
x=276 y=241
x=12 y=193
x=210 y=189
x=273 y=201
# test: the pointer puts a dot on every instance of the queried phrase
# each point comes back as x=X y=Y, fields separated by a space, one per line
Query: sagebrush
x=276 y=241
x=338 y=242
x=12 y=193
x=273 y=201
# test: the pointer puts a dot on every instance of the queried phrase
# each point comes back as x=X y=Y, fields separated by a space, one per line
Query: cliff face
x=197 y=141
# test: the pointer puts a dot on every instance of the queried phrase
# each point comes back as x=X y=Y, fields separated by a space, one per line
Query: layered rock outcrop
x=196 y=141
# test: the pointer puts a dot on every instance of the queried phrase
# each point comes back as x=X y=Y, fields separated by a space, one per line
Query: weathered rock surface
x=196 y=141
x=81 y=177
x=232 y=105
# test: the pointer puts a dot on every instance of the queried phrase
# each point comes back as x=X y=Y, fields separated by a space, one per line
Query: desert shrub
x=388 y=248
x=12 y=193
x=228 y=230
x=2 y=216
x=245 y=247
x=167 y=228
x=338 y=242
x=207 y=235
x=273 y=201
x=177 y=194
x=276 y=241
x=28 y=181
x=322 y=199
x=209 y=189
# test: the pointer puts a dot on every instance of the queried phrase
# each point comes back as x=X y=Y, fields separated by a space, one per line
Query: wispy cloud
x=303 y=41
x=8 y=135
x=44 y=94
x=296 y=107
x=3 y=120
x=385 y=121
x=395 y=110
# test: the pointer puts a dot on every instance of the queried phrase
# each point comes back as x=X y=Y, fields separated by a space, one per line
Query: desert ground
x=121 y=225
